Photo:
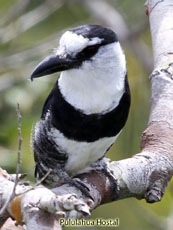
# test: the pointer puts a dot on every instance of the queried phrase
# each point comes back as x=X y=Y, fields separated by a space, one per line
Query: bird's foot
x=78 y=184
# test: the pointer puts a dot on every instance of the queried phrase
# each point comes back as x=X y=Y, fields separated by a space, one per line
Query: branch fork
x=145 y=175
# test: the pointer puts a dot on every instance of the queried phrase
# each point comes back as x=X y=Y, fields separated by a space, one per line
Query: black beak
x=54 y=63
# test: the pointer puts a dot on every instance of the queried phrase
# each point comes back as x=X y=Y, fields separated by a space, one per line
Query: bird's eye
x=88 y=52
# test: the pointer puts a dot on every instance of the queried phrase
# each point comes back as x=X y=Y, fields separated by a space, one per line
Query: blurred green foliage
x=21 y=50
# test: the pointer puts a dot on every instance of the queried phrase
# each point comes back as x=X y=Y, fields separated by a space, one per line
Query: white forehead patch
x=74 y=43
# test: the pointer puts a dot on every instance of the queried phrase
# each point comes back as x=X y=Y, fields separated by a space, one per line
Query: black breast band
x=82 y=127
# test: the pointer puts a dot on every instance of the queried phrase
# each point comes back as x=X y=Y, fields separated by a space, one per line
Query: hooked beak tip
x=33 y=75
x=31 y=78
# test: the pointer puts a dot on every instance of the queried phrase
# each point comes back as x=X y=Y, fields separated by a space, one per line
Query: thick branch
x=33 y=207
x=146 y=174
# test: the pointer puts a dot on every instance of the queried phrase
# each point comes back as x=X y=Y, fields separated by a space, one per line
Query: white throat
x=98 y=85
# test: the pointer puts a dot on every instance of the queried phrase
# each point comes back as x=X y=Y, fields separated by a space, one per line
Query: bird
x=87 y=107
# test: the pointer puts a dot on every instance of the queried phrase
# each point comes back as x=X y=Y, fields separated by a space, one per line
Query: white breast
x=98 y=85
x=81 y=154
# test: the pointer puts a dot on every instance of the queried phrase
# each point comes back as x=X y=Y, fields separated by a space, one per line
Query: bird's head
x=77 y=46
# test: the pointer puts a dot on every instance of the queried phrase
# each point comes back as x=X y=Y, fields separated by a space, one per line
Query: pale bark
x=147 y=174
x=144 y=175
x=40 y=208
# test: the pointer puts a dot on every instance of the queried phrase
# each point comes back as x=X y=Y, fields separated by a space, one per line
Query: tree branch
x=12 y=195
x=144 y=175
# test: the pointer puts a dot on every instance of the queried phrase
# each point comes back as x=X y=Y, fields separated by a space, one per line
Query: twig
x=19 y=117
x=43 y=178
x=3 y=209
x=38 y=183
